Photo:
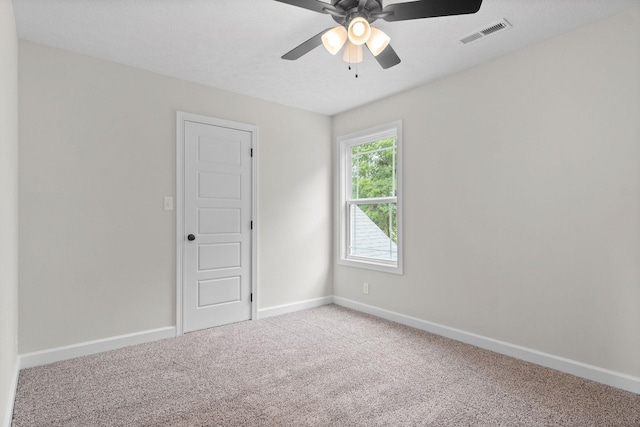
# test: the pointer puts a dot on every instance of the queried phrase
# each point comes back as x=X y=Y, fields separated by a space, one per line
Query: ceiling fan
x=355 y=18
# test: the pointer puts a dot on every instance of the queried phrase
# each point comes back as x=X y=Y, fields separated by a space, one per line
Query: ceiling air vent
x=491 y=29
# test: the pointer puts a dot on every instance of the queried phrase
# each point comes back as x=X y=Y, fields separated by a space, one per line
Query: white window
x=370 y=199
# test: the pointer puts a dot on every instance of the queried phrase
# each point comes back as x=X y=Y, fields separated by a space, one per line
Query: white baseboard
x=579 y=369
x=8 y=417
x=44 y=357
x=296 y=306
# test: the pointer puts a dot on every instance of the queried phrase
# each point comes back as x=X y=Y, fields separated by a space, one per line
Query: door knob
x=191 y=237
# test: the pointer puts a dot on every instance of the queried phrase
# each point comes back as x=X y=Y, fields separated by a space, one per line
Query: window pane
x=374 y=232
x=373 y=169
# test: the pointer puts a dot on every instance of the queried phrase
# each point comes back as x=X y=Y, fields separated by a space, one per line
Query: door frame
x=181 y=118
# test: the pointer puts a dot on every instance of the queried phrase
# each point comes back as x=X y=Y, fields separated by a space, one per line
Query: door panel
x=218 y=221
x=218 y=256
x=219 y=186
x=218 y=291
x=217 y=211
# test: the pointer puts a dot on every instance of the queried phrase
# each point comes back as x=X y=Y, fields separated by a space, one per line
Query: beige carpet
x=328 y=366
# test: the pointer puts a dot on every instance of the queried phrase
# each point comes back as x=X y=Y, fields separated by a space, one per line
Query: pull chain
x=350 y=62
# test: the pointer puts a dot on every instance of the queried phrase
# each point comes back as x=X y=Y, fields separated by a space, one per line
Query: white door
x=217 y=225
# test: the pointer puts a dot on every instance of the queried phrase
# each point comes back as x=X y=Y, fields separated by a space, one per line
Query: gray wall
x=97 y=155
x=522 y=198
x=8 y=202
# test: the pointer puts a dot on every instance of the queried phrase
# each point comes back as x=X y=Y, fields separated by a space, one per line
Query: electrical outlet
x=365 y=288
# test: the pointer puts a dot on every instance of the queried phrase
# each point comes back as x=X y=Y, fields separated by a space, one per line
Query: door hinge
x=251 y=297
x=252 y=225
x=252 y=152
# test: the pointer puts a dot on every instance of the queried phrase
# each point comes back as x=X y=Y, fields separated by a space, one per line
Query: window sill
x=372 y=265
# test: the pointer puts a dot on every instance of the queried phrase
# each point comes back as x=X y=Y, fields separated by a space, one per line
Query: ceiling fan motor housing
x=348 y=10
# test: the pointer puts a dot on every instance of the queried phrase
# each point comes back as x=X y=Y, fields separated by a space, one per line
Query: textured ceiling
x=236 y=45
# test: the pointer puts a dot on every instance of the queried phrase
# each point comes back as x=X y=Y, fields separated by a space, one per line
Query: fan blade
x=429 y=9
x=315 y=5
x=387 y=58
x=305 y=47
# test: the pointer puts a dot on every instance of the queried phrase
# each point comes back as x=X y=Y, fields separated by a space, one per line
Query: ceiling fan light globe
x=334 y=39
x=378 y=41
x=352 y=53
x=359 y=31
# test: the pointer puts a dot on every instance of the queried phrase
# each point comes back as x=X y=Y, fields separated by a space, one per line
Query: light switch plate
x=168 y=203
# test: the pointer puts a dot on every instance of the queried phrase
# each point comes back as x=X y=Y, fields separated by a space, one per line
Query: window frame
x=345 y=199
